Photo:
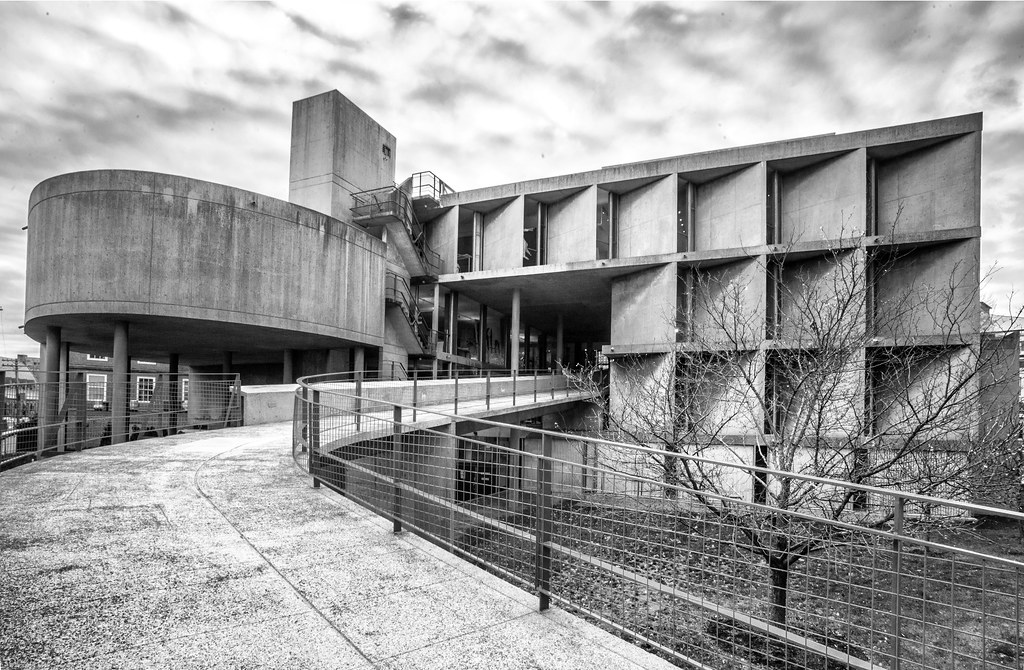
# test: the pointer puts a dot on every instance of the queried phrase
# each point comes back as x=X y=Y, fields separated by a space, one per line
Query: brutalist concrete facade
x=358 y=272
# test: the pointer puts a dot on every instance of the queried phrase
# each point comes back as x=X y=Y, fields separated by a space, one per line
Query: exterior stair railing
x=394 y=201
x=398 y=291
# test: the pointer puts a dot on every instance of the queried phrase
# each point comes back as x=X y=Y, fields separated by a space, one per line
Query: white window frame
x=90 y=357
x=138 y=389
x=92 y=383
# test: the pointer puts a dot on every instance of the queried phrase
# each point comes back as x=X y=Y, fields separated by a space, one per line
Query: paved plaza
x=212 y=550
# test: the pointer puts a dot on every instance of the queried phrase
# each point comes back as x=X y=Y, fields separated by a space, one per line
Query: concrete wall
x=825 y=200
x=932 y=292
x=572 y=228
x=823 y=294
x=643 y=307
x=141 y=243
x=442 y=236
x=730 y=210
x=729 y=302
x=503 y=236
x=647 y=219
x=937 y=188
x=337 y=150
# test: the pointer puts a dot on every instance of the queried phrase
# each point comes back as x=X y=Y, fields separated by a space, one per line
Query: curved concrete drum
x=196 y=269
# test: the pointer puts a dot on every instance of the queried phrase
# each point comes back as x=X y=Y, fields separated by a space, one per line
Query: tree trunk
x=779 y=578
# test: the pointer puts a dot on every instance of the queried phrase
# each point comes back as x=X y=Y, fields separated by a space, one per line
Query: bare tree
x=846 y=366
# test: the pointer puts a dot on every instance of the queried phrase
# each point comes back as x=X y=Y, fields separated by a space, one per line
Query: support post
x=543 y=512
x=173 y=394
x=121 y=382
x=396 y=470
x=288 y=367
x=225 y=362
x=359 y=398
x=559 y=342
x=897 y=577
x=50 y=394
x=314 y=437
x=514 y=333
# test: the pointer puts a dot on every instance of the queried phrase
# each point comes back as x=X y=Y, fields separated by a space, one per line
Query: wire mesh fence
x=700 y=578
x=81 y=411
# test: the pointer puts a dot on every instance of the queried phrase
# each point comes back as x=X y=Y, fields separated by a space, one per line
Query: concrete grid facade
x=358 y=272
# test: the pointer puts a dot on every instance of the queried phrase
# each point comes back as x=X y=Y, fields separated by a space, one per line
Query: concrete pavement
x=211 y=550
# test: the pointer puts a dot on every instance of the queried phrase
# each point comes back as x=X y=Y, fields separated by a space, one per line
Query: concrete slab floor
x=212 y=550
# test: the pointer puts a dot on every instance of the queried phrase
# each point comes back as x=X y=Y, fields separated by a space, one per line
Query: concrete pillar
x=225 y=363
x=542 y=349
x=49 y=396
x=453 y=322
x=288 y=367
x=559 y=342
x=478 y=242
x=359 y=363
x=173 y=393
x=514 y=331
x=481 y=335
x=121 y=381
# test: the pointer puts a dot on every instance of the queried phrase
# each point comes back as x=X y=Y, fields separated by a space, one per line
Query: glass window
x=144 y=387
x=96 y=388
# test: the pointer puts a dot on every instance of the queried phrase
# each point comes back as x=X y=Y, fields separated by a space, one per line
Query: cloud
x=405 y=16
x=310 y=28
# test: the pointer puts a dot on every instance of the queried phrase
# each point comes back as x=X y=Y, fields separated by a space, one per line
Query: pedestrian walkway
x=212 y=550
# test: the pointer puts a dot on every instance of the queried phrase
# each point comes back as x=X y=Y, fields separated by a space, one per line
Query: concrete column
x=481 y=336
x=542 y=349
x=478 y=242
x=559 y=341
x=225 y=363
x=288 y=367
x=50 y=393
x=121 y=380
x=514 y=331
x=453 y=322
x=173 y=393
x=435 y=323
x=359 y=364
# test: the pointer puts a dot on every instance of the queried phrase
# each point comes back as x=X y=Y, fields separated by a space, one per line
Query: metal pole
x=487 y=389
x=415 y=393
x=543 y=513
x=897 y=529
x=396 y=469
x=359 y=397
x=314 y=438
x=456 y=410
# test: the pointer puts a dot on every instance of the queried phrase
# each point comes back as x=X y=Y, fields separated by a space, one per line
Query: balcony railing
x=700 y=578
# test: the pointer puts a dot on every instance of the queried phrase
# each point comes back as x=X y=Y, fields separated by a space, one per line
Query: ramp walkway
x=211 y=550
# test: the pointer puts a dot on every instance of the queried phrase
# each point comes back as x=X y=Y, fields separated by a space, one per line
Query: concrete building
x=360 y=272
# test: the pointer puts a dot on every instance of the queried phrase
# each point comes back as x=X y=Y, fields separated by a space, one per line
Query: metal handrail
x=72 y=413
x=395 y=201
x=375 y=445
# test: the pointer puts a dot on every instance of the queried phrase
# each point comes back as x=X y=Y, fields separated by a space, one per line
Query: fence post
x=396 y=469
x=536 y=377
x=456 y=409
x=543 y=514
x=487 y=390
x=359 y=397
x=314 y=438
x=897 y=581
x=515 y=376
x=415 y=393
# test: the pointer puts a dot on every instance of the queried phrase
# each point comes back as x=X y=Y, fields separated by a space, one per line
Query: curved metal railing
x=700 y=577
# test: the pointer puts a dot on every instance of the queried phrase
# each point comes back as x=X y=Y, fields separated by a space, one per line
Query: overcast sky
x=491 y=93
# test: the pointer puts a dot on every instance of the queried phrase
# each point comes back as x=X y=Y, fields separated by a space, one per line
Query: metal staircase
x=399 y=209
x=398 y=295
